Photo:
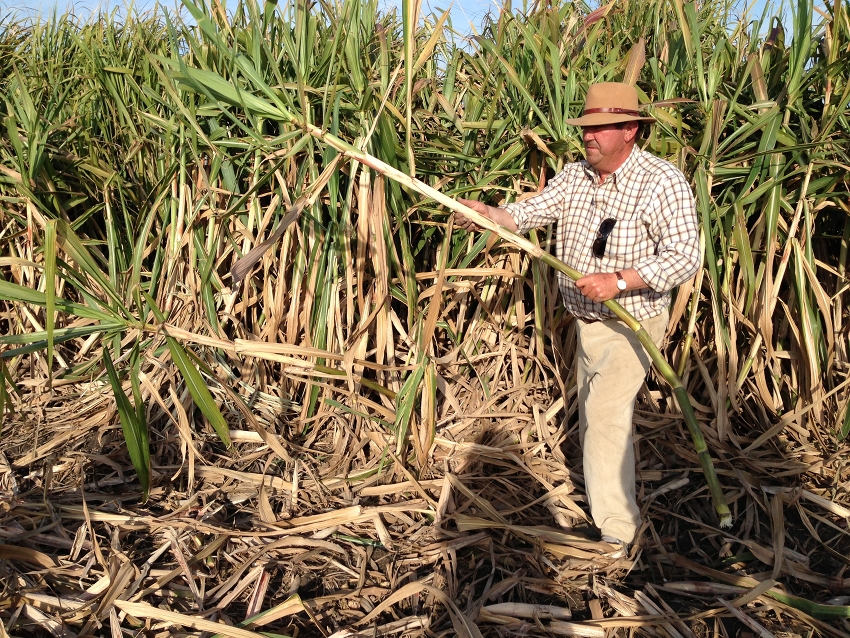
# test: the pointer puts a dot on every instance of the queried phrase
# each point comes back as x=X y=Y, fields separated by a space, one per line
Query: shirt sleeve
x=673 y=226
x=542 y=209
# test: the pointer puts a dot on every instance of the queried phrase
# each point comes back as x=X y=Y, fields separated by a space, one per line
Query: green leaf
x=135 y=367
x=21 y=294
x=405 y=404
x=15 y=138
x=75 y=248
x=194 y=381
x=519 y=85
x=216 y=87
x=135 y=429
x=50 y=291
x=198 y=389
x=845 y=423
x=4 y=394
x=38 y=340
x=745 y=255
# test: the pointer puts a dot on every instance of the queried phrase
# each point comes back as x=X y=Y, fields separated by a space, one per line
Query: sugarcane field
x=289 y=339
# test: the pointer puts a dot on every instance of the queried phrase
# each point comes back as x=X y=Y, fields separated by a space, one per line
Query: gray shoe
x=620 y=548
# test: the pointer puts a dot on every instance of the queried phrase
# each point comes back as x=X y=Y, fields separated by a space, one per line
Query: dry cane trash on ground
x=488 y=538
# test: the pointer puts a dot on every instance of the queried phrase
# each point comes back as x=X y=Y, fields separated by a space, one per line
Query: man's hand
x=498 y=215
x=600 y=286
x=463 y=221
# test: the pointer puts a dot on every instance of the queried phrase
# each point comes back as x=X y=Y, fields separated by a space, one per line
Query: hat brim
x=598 y=119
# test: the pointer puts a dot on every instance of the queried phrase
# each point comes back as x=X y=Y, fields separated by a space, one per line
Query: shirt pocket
x=629 y=242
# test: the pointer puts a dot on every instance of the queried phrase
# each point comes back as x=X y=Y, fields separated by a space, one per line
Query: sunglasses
x=605 y=229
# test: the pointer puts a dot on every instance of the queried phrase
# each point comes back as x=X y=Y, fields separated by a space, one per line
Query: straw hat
x=610 y=103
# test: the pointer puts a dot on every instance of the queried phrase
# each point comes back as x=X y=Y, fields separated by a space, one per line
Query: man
x=627 y=219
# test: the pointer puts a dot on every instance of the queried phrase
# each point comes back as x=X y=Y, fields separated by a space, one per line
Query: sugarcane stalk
x=814 y=609
x=772 y=295
x=679 y=391
x=692 y=319
x=652 y=350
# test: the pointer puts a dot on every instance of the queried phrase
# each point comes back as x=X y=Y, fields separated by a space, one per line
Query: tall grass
x=141 y=157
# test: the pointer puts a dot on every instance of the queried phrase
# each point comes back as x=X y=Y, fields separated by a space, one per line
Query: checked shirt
x=656 y=231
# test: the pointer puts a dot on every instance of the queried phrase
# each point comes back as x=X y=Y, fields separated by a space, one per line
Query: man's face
x=608 y=145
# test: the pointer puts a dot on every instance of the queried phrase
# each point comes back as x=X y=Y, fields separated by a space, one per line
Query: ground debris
x=493 y=538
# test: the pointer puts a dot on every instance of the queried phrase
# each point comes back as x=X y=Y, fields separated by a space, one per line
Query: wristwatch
x=621 y=283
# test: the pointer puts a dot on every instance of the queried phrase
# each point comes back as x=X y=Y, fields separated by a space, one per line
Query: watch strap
x=621 y=283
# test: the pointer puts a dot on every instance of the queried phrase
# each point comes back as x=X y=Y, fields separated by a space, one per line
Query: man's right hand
x=498 y=215
x=463 y=221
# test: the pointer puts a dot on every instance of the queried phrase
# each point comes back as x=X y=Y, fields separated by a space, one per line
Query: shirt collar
x=617 y=175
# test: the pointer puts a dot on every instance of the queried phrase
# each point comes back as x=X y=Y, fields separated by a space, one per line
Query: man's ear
x=630 y=130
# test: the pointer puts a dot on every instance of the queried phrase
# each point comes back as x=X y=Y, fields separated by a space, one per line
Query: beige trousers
x=612 y=365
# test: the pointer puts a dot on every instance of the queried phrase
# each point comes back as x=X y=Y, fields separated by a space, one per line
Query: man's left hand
x=599 y=286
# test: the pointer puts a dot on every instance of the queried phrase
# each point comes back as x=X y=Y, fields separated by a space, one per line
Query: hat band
x=612 y=110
